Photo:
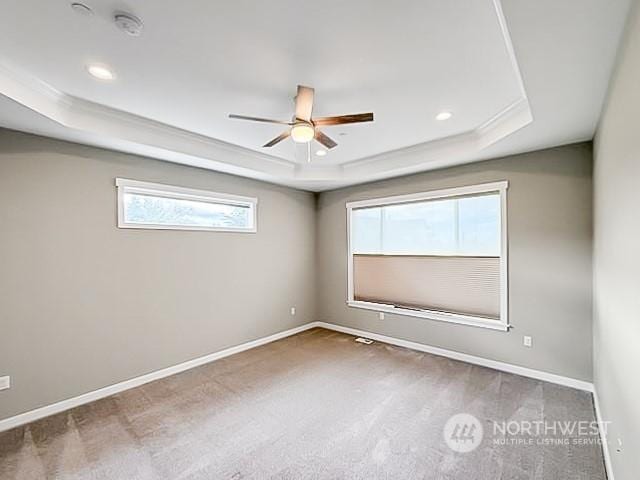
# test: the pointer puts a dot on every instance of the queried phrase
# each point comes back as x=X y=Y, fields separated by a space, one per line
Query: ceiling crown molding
x=138 y=134
x=79 y=114
x=454 y=149
x=445 y=151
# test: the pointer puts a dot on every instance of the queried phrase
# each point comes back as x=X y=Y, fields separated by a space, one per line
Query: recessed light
x=444 y=116
x=321 y=153
x=101 y=72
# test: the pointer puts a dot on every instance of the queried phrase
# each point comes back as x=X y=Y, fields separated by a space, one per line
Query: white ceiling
x=517 y=75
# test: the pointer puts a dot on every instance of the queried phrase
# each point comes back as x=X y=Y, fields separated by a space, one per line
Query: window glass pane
x=479 y=225
x=464 y=226
x=147 y=209
x=366 y=233
x=425 y=228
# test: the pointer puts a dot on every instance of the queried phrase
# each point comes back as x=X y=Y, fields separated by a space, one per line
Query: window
x=157 y=206
x=439 y=255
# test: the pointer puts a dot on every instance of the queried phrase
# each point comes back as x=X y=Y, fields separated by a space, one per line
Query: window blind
x=465 y=285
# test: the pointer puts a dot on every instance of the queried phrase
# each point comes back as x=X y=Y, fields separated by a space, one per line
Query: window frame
x=125 y=185
x=499 y=187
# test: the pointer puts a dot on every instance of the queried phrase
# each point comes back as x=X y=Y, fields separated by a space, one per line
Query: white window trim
x=124 y=185
x=476 y=321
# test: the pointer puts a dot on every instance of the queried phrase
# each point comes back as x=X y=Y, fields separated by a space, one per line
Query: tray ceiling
x=406 y=61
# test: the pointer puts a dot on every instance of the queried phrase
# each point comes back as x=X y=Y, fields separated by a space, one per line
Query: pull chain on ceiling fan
x=304 y=128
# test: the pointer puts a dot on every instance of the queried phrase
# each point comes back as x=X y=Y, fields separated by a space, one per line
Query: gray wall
x=550 y=233
x=617 y=257
x=84 y=304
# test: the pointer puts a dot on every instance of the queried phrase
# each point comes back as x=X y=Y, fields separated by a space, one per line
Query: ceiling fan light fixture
x=302 y=133
x=303 y=128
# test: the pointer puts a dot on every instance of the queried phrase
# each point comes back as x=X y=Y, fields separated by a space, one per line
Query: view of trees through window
x=466 y=226
x=152 y=210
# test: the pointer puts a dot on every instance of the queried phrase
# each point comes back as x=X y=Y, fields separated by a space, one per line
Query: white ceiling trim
x=181 y=146
x=79 y=114
x=443 y=152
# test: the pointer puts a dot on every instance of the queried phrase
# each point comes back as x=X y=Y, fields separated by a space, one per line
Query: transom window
x=158 y=206
x=439 y=255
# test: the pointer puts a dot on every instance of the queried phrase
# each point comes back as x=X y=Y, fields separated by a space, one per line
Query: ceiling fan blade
x=258 y=119
x=278 y=139
x=324 y=140
x=304 y=103
x=342 y=119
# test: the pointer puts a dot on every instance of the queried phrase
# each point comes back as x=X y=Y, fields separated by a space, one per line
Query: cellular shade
x=464 y=285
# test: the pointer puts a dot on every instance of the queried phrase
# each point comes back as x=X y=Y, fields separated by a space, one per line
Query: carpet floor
x=316 y=405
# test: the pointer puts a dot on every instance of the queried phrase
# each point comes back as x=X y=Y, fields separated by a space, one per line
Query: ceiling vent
x=81 y=8
x=128 y=23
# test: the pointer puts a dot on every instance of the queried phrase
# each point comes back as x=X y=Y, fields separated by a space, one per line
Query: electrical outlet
x=527 y=341
x=5 y=383
x=381 y=315
x=293 y=310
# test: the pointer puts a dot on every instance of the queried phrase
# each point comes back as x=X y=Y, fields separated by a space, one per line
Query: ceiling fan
x=304 y=128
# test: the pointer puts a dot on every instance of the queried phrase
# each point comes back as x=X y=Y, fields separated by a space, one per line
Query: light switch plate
x=527 y=341
x=293 y=310
x=5 y=383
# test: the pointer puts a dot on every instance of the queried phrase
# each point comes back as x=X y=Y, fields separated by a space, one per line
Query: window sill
x=153 y=226
x=433 y=315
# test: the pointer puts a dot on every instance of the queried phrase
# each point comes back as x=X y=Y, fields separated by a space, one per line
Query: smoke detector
x=128 y=23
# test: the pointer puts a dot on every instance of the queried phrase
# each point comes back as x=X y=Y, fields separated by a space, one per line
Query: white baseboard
x=505 y=367
x=67 y=404
x=63 y=405
x=603 y=437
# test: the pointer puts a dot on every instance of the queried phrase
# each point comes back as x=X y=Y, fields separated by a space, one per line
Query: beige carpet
x=313 y=406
